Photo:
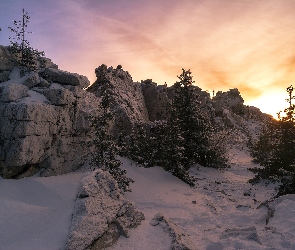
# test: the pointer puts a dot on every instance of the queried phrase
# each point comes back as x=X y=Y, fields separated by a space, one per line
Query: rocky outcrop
x=101 y=214
x=156 y=100
x=65 y=78
x=44 y=125
x=180 y=240
x=45 y=116
x=231 y=113
x=6 y=64
x=128 y=100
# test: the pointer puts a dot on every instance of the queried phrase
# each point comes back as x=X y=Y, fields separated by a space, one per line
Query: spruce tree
x=196 y=126
x=25 y=55
x=181 y=141
x=275 y=150
x=105 y=149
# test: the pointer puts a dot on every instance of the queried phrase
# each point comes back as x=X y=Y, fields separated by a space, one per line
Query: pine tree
x=196 y=126
x=174 y=157
x=275 y=150
x=24 y=54
x=184 y=139
x=105 y=149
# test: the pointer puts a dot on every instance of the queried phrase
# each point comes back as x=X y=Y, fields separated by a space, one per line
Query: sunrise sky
x=247 y=44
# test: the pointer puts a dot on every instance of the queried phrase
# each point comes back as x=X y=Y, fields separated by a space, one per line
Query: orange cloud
x=226 y=44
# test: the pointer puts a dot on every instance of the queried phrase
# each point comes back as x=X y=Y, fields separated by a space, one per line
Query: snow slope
x=35 y=212
x=219 y=213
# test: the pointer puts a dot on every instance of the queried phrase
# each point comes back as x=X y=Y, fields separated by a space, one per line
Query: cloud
x=245 y=44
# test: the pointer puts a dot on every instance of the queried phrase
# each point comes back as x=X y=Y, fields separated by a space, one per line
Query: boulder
x=59 y=97
x=12 y=92
x=65 y=78
x=32 y=80
x=101 y=214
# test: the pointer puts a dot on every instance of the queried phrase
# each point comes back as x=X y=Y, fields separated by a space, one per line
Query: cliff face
x=128 y=100
x=156 y=99
x=45 y=116
x=44 y=120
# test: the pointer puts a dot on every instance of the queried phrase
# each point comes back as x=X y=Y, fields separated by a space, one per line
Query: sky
x=244 y=44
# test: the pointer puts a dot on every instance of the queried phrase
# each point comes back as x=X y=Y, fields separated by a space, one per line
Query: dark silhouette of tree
x=25 y=55
x=275 y=150
x=196 y=126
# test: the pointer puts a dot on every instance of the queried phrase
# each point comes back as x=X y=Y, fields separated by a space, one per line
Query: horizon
x=243 y=44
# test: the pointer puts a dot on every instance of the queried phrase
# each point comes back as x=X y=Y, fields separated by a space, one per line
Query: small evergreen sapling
x=105 y=149
x=25 y=55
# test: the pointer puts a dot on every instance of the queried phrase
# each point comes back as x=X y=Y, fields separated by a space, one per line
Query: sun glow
x=271 y=102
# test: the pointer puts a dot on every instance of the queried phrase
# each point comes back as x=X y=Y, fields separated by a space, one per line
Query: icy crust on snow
x=101 y=214
x=220 y=213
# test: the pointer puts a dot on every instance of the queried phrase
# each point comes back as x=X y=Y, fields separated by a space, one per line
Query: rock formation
x=180 y=240
x=101 y=214
x=156 y=99
x=45 y=116
x=44 y=120
x=128 y=100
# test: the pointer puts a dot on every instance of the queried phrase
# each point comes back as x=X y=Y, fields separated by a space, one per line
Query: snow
x=33 y=97
x=35 y=212
x=219 y=213
x=15 y=77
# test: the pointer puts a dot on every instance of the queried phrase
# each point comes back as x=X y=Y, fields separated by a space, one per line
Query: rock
x=60 y=96
x=65 y=78
x=50 y=137
x=249 y=233
x=6 y=60
x=128 y=100
x=32 y=80
x=43 y=83
x=4 y=75
x=12 y=92
x=101 y=214
x=180 y=240
x=156 y=100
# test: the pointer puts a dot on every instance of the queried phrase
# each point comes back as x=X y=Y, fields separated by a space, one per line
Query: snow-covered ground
x=36 y=212
x=219 y=213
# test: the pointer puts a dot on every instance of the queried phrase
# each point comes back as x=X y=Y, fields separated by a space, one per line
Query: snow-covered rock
x=65 y=78
x=180 y=240
x=101 y=213
x=44 y=116
x=12 y=92
x=43 y=125
x=128 y=100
